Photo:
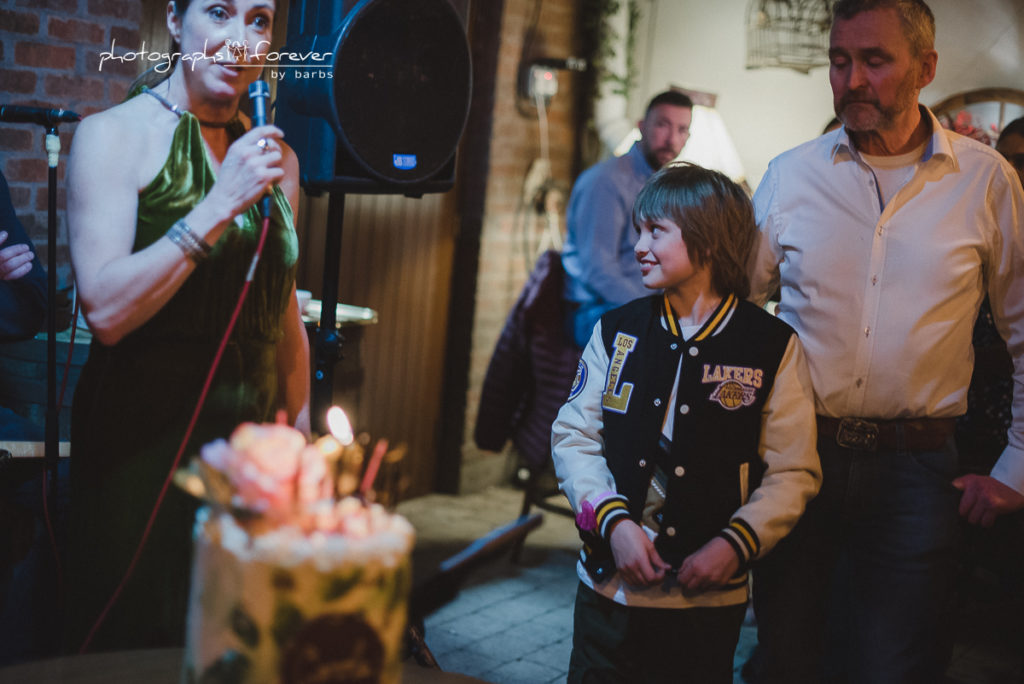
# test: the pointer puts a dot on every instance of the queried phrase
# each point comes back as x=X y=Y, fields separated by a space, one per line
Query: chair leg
x=418 y=647
x=529 y=493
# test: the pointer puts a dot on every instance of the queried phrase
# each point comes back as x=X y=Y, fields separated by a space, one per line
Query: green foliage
x=602 y=40
x=244 y=627
x=336 y=586
x=288 y=620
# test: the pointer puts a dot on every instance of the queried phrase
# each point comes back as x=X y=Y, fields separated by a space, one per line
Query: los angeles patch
x=735 y=386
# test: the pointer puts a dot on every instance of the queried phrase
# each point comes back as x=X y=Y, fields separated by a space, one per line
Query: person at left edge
x=164 y=221
x=22 y=301
x=25 y=613
x=22 y=278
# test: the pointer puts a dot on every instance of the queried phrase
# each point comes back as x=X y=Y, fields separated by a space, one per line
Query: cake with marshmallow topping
x=289 y=584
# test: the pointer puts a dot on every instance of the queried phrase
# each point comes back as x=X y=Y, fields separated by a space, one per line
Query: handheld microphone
x=37 y=115
x=259 y=93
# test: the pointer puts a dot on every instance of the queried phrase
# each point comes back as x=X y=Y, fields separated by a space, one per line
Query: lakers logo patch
x=580 y=381
x=736 y=386
x=731 y=395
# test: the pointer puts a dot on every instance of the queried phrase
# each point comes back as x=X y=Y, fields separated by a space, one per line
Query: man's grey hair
x=916 y=17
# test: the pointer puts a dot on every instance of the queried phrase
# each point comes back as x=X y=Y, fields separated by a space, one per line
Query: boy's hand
x=712 y=565
x=635 y=557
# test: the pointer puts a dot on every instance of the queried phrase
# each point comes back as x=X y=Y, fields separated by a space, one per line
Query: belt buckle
x=854 y=433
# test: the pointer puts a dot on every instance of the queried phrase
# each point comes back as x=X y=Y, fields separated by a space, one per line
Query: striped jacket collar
x=716 y=321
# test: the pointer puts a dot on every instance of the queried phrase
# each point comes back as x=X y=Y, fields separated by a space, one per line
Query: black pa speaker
x=373 y=95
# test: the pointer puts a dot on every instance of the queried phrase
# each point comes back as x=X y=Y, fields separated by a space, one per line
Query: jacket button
x=680 y=471
x=694 y=351
x=670 y=531
x=657 y=402
x=684 y=408
x=673 y=346
x=642 y=463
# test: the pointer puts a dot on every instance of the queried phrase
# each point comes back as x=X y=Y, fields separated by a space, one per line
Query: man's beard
x=870 y=115
x=652 y=157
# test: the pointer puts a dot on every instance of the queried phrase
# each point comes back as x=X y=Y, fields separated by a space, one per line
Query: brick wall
x=49 y=57
x=515 y=143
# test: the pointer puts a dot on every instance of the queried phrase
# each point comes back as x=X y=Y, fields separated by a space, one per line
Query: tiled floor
x=512 y=624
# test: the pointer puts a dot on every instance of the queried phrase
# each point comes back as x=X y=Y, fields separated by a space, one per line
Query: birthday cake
x=289 y=582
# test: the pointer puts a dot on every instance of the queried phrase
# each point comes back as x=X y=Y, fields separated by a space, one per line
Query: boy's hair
x=714 y=214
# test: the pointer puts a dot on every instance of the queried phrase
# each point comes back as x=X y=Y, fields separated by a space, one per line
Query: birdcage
x=788 y=33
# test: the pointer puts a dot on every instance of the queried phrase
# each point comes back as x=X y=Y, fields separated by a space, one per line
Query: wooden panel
x=396 y=259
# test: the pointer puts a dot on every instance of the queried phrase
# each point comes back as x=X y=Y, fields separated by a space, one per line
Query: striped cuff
x=608 y=512
x=743 y=540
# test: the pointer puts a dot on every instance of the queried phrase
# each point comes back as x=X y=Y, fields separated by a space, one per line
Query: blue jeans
x=860 y=590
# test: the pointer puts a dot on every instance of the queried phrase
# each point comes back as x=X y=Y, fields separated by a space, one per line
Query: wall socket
x=543 y=82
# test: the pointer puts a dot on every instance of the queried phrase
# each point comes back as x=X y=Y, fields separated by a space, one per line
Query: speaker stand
x=327 y=349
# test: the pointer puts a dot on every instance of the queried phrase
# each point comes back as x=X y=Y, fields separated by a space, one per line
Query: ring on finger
x=263 y=144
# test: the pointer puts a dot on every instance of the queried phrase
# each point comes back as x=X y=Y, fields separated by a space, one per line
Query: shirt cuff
x=1009 y=469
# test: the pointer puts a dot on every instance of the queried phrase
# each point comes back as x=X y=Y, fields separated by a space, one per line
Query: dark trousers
x=626 y=645
x=860 y=590
x=29 y=582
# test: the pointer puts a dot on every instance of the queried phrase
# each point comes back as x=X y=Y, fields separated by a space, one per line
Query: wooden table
x=159 y=666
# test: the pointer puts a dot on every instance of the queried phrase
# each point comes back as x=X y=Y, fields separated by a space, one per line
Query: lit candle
x=333 y=445
x=340 y=427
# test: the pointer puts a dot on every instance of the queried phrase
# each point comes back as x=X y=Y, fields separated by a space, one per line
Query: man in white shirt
x=884 y=237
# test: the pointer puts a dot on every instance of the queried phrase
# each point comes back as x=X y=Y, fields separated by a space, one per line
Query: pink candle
x=370 y=475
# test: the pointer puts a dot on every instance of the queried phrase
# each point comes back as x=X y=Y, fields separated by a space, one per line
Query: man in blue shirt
x=601 y=270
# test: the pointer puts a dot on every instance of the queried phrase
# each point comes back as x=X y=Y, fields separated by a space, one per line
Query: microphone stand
x=327 y=351
x=52 y=448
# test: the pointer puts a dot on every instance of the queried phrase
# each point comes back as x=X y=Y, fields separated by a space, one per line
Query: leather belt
x=915 y=434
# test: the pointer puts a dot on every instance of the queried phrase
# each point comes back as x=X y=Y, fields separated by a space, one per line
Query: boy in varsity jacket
x=687 y=444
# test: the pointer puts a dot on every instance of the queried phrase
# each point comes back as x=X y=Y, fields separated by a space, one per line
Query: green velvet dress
x=134 y=400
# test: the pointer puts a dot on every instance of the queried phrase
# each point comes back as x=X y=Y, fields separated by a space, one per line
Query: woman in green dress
x=163 y=222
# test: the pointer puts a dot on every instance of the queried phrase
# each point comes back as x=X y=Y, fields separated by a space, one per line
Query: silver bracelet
x=194 y=247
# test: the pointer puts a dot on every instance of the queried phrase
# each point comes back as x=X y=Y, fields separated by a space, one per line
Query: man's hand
x=635 y=557
x=986 y=498
x=15 y=261
x=710 y=566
